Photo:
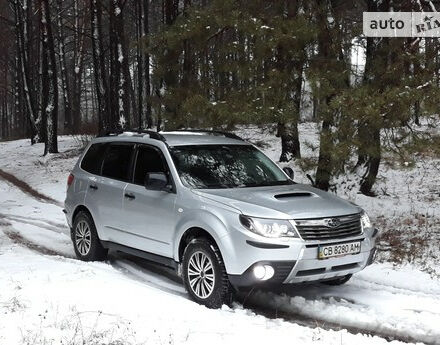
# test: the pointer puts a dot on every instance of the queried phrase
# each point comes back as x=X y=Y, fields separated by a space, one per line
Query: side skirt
x=162 y=260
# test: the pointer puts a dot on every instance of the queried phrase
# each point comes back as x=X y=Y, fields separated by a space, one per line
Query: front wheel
x=204 y=274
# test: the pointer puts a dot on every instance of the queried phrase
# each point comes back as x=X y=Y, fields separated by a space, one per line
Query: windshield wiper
x=266 y=184
x=217 y=186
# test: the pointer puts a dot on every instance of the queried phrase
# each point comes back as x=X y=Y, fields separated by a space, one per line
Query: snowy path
x=401 y=304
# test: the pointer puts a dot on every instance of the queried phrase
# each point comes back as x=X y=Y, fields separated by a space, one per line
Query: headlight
x=365 y=220
x=269 y=227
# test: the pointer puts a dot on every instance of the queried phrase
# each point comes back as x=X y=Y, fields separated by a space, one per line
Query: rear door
x=106 y=192
x=150 y=214
x=89 y=181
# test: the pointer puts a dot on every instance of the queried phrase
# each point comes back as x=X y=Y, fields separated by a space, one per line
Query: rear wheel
x=338 y=281
x=85 y=239
x=204 y=274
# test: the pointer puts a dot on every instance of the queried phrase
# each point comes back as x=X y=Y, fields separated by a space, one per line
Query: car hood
x=296 y=201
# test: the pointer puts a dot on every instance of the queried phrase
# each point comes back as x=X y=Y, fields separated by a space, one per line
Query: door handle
x=93 y=186
x=129 y=195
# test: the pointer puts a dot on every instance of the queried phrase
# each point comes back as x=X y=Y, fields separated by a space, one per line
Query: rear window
x=117 y=161
x=93 y=159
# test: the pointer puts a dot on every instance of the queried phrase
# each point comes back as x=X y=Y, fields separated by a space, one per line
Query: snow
x=49 y=108
x=378 y=299
x=54 y=300
x=48 y=297
x=120 y=53
x=122 y=121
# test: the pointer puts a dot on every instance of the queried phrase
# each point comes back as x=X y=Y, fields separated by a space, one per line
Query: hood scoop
x=293 y=195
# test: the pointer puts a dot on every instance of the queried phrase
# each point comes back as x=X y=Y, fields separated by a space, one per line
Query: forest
x=74 y=67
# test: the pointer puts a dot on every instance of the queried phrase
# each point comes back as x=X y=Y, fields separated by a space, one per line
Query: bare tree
x=146 y=16
x=22 y=14
x=49 y=79
x=99 y=66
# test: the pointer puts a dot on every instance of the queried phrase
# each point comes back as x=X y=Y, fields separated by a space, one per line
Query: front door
x=150 y=214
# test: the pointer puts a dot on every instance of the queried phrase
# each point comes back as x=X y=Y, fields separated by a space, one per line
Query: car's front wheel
x=204 y=274
x=85 y=239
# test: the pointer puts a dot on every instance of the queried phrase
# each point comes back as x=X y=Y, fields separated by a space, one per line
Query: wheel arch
x=205 y=224
x=190 y=234
x=78 y=209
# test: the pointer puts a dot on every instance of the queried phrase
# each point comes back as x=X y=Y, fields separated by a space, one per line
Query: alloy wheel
x=201 y=275
x=83 y=237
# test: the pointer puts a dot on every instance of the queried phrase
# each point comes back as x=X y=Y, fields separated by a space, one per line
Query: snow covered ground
x=48 y=297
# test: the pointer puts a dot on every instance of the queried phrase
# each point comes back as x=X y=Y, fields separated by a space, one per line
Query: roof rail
x=152 y=134
x=209 y=132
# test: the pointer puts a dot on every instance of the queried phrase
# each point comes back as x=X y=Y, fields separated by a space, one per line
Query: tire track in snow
x=352 y=315
x=378 y=286
x=139 y=273
x=20 y=240
x=51 y=226
x=27 y=189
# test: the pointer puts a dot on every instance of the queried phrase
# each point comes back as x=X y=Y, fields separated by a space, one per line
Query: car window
x=117 y=162
x=93 y=158
x=148 y=160
x=225 y=166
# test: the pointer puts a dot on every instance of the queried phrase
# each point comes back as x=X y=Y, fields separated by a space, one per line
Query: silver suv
x=214 y=208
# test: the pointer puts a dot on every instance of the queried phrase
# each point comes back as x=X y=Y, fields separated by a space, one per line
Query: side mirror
x=156 y=181
x=289 y=172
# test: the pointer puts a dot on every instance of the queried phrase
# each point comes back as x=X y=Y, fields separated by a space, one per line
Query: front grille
x=329 y=228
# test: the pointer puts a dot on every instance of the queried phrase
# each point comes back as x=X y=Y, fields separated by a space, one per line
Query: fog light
x=263 y=272
x=259 y=272
x=269 y=272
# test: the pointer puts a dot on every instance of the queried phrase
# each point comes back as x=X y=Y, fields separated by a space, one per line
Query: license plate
x=325 y=252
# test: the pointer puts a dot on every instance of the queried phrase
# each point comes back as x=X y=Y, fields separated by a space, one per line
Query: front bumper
x=295 y=261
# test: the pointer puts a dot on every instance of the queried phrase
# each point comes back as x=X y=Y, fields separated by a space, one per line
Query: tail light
x=70 y=180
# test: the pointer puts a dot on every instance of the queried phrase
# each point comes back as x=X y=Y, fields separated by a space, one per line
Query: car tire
x=85 y=239
x=204 y=274
x=338 y=281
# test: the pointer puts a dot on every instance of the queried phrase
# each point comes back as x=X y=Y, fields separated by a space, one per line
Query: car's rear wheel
x=204 y=274
x=338 y=281
x=85 y=239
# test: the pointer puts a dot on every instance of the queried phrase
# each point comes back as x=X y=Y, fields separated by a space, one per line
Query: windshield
x=225 y=166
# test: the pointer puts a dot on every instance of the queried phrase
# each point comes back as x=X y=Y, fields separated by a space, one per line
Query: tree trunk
x=78 y=59
x=120 y=74
x=369 y=151
x=171 y=55
x=325 y=168
x=290 y=146
x=63 y=71
x=99 y=68
x=325 y=164
x=50 y=80
x=148 y=116
x=139 y=33
x=21 y=26
x=372 y=164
